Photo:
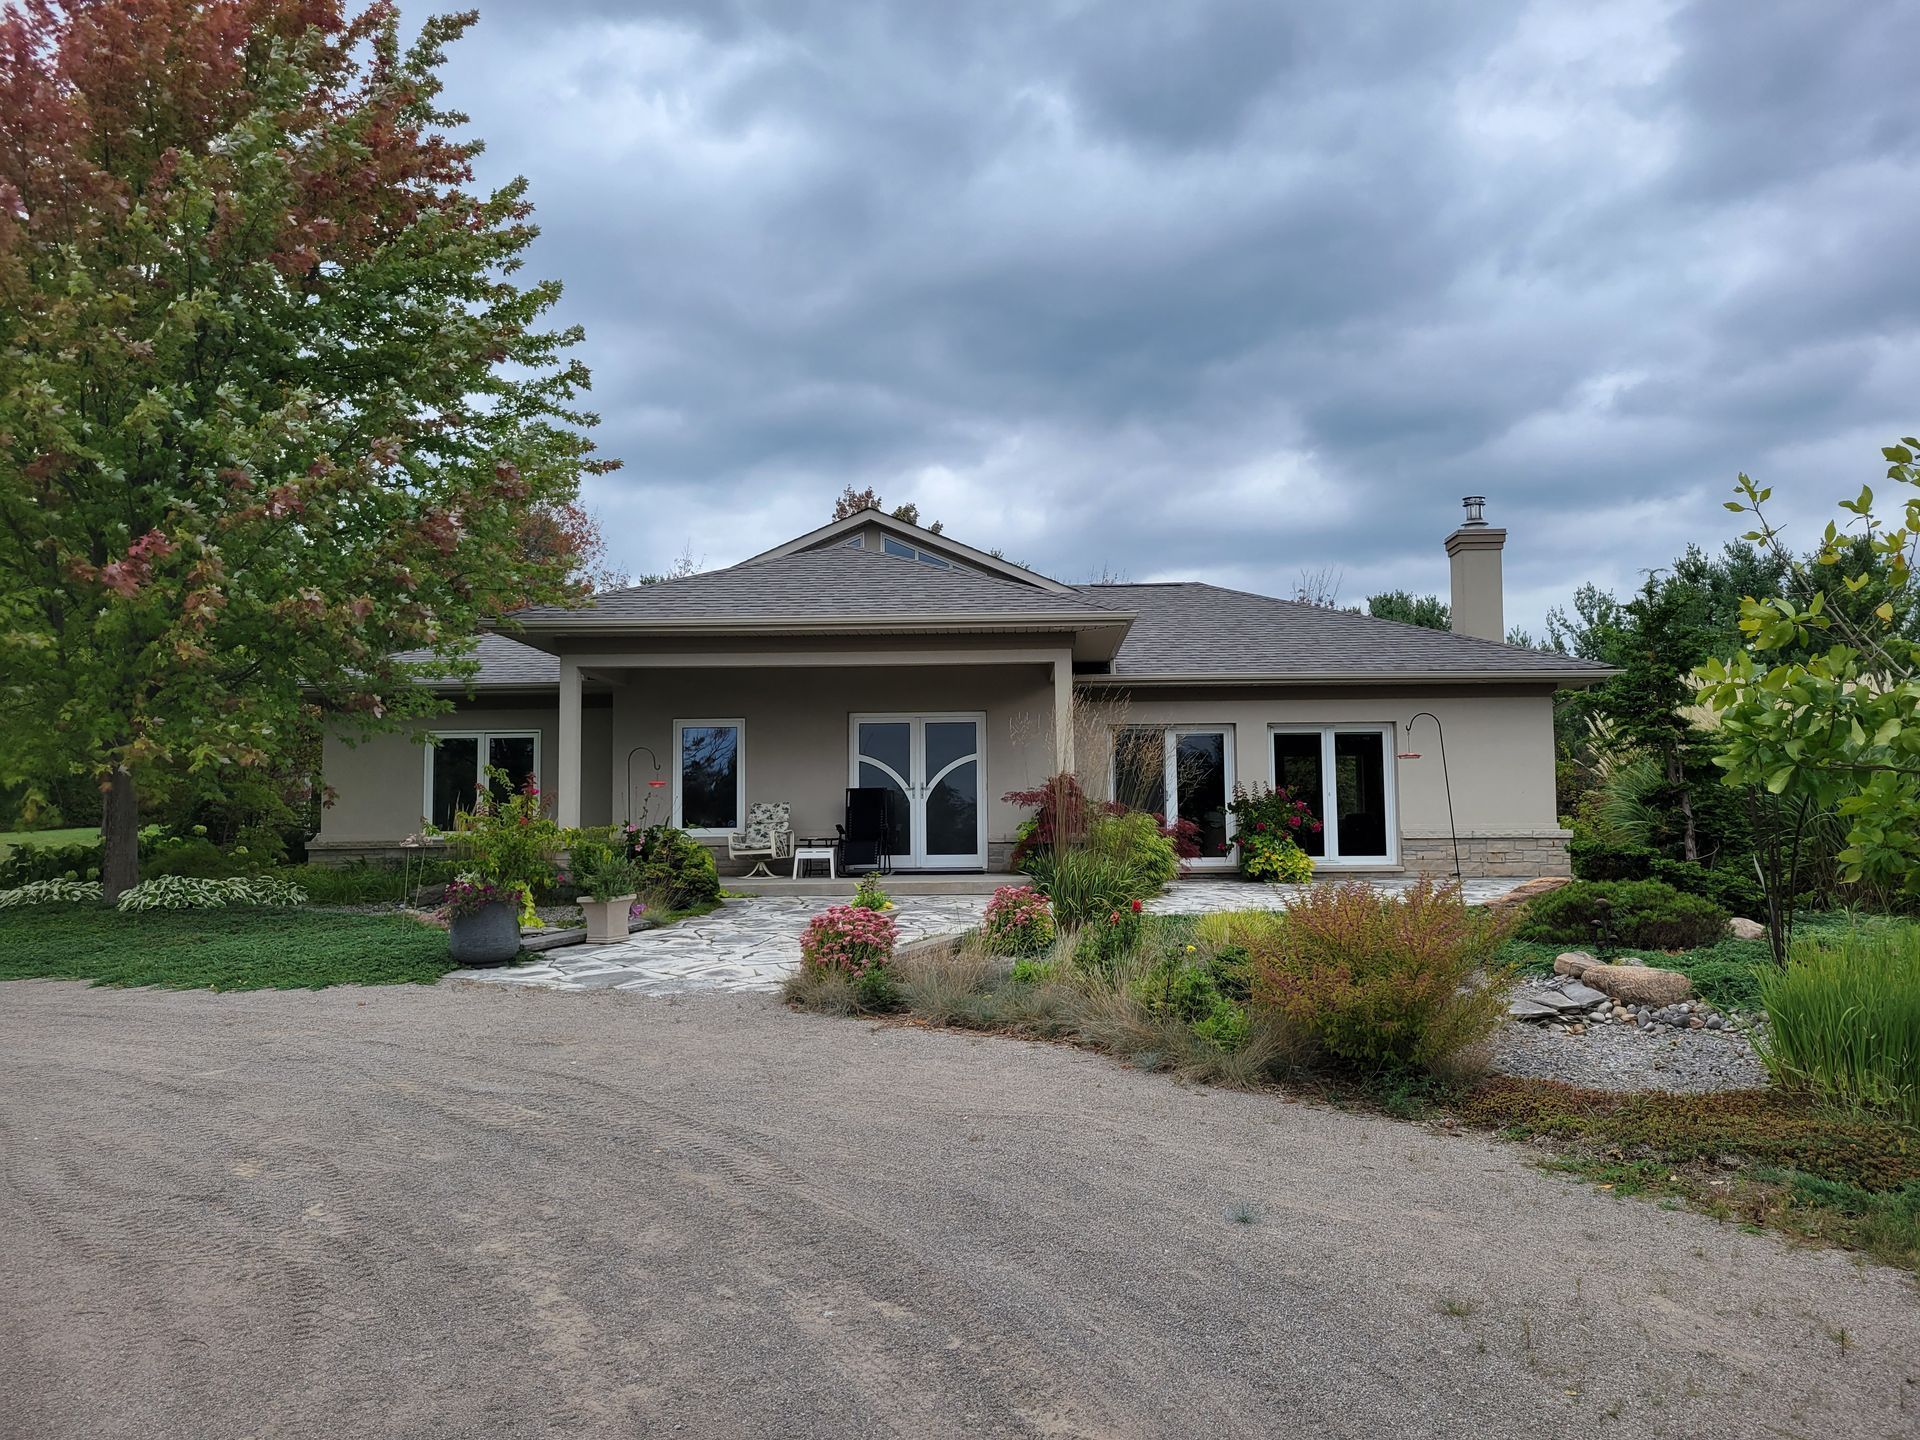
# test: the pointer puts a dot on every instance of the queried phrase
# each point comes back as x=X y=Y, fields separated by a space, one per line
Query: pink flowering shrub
x=849 y=940
x=1019 y=921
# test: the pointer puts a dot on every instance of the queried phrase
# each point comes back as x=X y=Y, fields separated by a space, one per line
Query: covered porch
x=697 y=738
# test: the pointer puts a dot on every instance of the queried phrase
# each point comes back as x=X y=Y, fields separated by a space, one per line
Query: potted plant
x=507 y=849
x=483 y=921
x=607 y=881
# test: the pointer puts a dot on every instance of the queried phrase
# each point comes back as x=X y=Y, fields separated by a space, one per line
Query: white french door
x=934 y=770
x=1184 y=771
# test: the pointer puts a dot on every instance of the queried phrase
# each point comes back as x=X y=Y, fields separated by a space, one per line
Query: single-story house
x=872 y=652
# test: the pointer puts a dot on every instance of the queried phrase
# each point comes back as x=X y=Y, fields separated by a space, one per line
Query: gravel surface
x=1622 y=1057
x=469 y=1211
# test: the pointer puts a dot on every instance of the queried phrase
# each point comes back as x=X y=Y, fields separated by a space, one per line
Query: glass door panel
x=1297 y=768
x=883 y=759
x=1360 y=793
x=1140 y=769
x=1201 y=782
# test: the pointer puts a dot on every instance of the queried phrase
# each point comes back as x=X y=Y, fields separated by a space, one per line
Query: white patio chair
x=769 y=835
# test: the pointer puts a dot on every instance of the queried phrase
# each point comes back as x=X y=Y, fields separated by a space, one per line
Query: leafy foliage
x=1818 y=706
x=51 y=892
x=849 y=941
x=1844 y=1018
x=1643 y=913
x=601 y=869
x=677 y=872
x=1385 y=981
x=1018 y=922
x=869 y=895
x=182 y=892
x=1728 y=887
x=1102 y=943
x=1269 y=821
x=273 y=405
x=1429 y=612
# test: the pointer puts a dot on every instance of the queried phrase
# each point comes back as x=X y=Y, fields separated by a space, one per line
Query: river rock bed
x=1628 y=1057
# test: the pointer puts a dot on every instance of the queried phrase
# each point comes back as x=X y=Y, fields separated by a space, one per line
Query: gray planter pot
x=486 y=937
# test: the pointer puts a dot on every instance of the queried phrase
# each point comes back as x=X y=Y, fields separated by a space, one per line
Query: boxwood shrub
x=1646 y=914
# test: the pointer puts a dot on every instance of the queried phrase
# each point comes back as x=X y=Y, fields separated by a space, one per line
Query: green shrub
x=1268 y=825
x=367 y=883
x=1207 y=992
x=1644 y=913
x=1844 y=1018
x=26 y=863
x=676 y=871
x=1135 y=842
x=1385 y=981
x=601 y=871
x=868 y=894
x=1102 y=944
x=1082 y=884
x=1732 y=886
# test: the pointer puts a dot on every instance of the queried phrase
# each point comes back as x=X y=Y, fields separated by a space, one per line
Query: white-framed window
x=905 y=551
x=709 y=776
x=1192 y=764
x=457 y=758
x=1345 y=772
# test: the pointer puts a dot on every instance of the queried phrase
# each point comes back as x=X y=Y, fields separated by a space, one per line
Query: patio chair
x=866 y=840
x=769 y=835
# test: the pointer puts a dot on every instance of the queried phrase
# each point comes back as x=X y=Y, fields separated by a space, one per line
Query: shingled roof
x=1193 y=630
x=838 y=583
x=503 y=662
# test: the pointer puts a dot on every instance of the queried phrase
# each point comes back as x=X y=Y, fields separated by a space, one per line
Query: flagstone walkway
x=753 y=944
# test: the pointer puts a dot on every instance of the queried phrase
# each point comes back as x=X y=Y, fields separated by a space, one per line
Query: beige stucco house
x=872 y=652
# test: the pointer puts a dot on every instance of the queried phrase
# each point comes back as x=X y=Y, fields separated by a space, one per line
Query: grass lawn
x=219 y=949
x=77 y=836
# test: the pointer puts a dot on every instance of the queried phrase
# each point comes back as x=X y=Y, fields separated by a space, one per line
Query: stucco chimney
x=1473 y=552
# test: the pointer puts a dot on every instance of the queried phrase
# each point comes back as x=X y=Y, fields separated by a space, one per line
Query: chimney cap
x=1476 y=506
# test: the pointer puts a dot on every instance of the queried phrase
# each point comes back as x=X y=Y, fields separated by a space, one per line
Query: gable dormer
x=877 y=530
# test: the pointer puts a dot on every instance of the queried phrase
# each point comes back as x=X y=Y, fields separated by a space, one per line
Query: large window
x=709 y=776
x=914 y=552
x=1344 y=773
x=454 y=763
x=1191 y=763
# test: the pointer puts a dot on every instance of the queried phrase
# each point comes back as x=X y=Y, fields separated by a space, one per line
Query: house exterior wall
x=1498 y=753
x=380 y=784
x=797 y=731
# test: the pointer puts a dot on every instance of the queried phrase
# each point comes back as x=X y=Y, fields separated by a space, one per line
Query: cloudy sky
x=1227 y=289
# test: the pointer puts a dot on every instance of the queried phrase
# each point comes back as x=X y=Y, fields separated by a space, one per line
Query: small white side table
x=803 y=853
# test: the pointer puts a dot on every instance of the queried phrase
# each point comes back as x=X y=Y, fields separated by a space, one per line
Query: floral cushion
x=765 y=820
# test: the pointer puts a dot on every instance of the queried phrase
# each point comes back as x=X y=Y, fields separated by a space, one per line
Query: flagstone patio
x=753 y=944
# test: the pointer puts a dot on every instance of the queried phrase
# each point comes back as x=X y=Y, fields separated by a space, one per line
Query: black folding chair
x=866 y=840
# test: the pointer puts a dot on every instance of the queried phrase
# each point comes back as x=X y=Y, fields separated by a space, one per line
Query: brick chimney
x=1473 y=553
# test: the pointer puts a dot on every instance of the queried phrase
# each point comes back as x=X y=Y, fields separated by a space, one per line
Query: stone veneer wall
x=1541 y=853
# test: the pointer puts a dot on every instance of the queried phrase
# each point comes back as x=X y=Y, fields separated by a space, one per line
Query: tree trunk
x=120 y=836
x=1690 y=835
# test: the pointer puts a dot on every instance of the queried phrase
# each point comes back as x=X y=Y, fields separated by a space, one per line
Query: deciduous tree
x=274 y=404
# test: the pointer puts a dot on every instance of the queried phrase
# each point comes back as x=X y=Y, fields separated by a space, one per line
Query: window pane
x=925 y=559
x=897 y=547
x=1296 y=767
x=899 y=821
x=513 y=754
x=455 y=771
x=1200 y=782
x=709 y=777
x=1360 y=790
x=1140 y=769
x=948 y=741
x=889 y=743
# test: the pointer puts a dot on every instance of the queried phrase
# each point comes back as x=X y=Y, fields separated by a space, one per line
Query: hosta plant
x=1018 y=922
x=52 y=892
x=181 y=892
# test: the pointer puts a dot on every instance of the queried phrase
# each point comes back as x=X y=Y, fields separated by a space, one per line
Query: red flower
x=1136 y=907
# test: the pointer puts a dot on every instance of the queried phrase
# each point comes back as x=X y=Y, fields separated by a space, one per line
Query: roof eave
x=1563 y=679
x=807 y=624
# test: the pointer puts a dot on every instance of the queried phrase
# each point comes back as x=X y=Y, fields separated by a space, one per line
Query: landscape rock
x=1525 y=1009
x=1574 y=963
x=1741 y=928
x=1583 y=994
x=1639 y=984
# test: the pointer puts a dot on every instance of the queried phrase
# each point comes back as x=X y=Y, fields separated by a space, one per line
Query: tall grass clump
x=1386 y=982
x=1844 y=1018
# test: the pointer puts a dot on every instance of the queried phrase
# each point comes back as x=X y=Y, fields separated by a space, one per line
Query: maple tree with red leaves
x=273 y=404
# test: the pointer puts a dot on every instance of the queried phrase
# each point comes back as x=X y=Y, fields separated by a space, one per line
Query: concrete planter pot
x=488 y=936
x=607 y=920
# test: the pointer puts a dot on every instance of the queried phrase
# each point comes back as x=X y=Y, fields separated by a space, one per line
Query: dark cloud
x=1229 y=287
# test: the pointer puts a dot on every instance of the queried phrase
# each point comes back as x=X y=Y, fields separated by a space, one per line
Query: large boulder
x=1575 y=963
x=1741 y=928
x=1639 y=984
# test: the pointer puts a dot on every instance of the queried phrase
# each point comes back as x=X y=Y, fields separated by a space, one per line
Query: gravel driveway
x=474 y=1211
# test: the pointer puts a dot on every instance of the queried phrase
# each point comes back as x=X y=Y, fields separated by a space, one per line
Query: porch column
x=1063 y=712
x=566 y=776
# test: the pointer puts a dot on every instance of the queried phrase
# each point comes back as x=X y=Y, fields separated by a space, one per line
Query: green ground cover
x=292 y=949
x=79 y=835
